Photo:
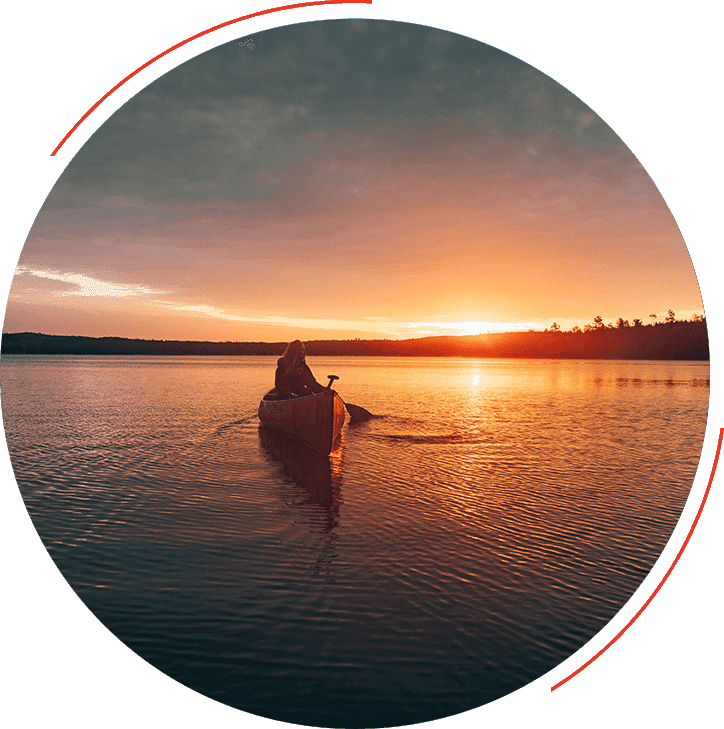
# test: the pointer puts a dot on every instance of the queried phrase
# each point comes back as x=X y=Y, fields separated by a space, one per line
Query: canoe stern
x=315 y=419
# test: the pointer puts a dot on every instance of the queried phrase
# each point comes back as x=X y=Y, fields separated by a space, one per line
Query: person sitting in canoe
x=293 y=376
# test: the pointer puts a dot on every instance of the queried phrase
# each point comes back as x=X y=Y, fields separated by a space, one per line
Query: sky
x=349 y=178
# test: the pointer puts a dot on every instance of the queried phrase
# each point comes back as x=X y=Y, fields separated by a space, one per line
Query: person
x=293 y=376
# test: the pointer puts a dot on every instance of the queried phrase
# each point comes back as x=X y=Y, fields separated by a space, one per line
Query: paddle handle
x=332 y=378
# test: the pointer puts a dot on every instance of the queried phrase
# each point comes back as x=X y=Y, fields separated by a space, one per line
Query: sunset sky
x=349 y=178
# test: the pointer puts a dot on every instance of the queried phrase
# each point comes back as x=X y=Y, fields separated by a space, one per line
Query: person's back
x=293 y=376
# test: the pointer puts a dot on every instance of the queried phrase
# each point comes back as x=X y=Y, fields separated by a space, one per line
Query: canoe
x=313 y=419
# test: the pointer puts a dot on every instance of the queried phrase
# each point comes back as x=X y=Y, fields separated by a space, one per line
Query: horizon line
x=547 y=330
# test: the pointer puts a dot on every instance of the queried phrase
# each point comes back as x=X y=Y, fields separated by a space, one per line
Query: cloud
x=380 y=210
x=88 y=286
x=394 y=165
x=372 y=326
x=222 y=124
x=273 y=320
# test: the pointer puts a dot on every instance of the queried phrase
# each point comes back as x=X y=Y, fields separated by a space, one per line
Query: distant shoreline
x=677 y=340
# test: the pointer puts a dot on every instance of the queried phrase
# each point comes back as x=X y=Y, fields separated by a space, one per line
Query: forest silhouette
x=673 y=339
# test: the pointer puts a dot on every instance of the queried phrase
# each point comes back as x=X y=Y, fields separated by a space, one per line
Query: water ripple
x=444 y=555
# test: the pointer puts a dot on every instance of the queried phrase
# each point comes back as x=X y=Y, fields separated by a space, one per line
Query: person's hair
x=294 y=354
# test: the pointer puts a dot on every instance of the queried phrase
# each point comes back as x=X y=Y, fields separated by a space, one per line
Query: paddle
x=356 y=413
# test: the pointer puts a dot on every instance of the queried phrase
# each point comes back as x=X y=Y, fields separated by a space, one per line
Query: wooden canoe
x=313 y=419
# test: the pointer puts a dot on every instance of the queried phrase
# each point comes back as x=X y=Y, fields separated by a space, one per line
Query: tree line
x=672 y=338
x=624 y=323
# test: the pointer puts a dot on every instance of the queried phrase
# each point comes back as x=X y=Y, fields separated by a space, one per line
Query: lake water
x=495 y=518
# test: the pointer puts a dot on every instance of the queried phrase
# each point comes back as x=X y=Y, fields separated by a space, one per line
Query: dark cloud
x=222 y=125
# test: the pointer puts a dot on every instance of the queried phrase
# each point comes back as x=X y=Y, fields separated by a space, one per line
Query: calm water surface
x=490 y=523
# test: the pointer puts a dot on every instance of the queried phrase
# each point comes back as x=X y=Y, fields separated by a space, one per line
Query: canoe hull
x=315 y=420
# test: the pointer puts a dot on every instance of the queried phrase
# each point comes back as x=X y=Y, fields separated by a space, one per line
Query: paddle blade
x=358 y=414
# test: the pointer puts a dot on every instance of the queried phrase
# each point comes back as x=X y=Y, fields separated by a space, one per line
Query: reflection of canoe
x=314 y=419
x=318 y=477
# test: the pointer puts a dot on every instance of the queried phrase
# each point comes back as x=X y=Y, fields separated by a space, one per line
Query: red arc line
x=194 y=37
x=666 y=576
